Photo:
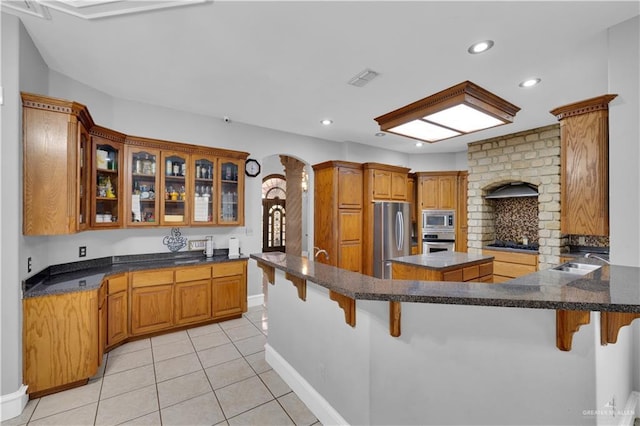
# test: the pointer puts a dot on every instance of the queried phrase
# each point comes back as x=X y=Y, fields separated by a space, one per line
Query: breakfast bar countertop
x=442 y=260
x=611 y=288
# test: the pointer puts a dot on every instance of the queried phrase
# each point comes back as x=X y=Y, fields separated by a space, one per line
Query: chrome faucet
x=326 y=255
x=597 y=257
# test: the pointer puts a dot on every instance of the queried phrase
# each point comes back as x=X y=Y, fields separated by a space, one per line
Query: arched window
x=274 y=194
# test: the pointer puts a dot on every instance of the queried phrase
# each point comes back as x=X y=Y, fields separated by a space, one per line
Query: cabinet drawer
x=455 y=275
x=486 y=269
x=512 y=270
x=193 y=274
x=148 y=278
x=228 y=269
x=470 y=273
x=117 y=284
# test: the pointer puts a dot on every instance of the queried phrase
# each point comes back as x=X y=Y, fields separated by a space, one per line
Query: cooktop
x=514 y=245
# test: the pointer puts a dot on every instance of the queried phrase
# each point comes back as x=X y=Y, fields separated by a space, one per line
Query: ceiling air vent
x=363 y=78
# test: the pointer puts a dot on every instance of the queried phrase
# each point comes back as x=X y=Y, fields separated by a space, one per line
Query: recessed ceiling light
x=530 y=82
x=418 y=144
x=326 y=122
x=380 y=134
x=481 y=46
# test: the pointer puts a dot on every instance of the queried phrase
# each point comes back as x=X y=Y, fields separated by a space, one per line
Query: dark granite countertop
x=88 y=274
x=443 y=260
x=610 y=288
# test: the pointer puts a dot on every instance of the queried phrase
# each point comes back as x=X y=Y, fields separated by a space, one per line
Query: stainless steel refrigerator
x=391 y=235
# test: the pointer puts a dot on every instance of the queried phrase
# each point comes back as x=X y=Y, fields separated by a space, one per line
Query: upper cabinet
x=437 y=190
x=230 y=191
x=107 y=193
x=78 y=176
x=584 y=171
x=55 y=166
x=386 y=182
x=142 y=186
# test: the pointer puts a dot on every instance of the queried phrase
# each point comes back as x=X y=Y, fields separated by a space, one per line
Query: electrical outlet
x=82 y=252
x=29 y=264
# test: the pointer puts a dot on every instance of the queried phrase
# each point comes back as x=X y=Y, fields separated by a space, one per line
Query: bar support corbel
x=567 y=323
x=395 y=313
x=269 y=271
x=299 y=283
x=611 y=323
x=347 y=304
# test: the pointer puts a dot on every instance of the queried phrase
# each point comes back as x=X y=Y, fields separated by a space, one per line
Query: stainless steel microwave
x=439 y=220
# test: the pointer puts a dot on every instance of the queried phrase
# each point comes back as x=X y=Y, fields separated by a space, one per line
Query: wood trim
x=299 y=283
x=386 y=167
x=567 y=323
x=184 y=147
x=611 y=323
x=583 y=107
x=268 y=271
x=347 y=304
x=334 y=164
x=395 y=318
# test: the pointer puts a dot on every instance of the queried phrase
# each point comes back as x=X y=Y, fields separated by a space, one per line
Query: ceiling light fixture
x=326 y=122
x=481 y=46
x=530 y=82
x=418 y=144
x=380 y=134
x=459 y=110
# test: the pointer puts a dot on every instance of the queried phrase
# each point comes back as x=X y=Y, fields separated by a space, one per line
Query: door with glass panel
x=204 y=171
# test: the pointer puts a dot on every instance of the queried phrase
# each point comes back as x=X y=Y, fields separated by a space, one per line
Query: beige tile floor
x=209 y=375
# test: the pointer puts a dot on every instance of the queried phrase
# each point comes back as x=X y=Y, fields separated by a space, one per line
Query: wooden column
x=293 y=171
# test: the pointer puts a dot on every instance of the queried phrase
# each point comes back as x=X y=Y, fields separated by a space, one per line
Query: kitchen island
x=443 y=266
x=469 y=353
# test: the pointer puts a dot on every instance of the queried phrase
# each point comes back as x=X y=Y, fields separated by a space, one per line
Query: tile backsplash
x=589 y=240
x=516 y=218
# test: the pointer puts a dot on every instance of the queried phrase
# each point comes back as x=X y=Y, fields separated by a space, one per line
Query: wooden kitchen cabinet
x=142 y=186
x=437 y=190
x=174 y=201
x=231 y=192
x=151 y=301
x=338 y=201
x=508 y=265
x=117 y=310
x=229 y=290
x=60 y=340
x=411 y=196
x=204 y=191
x=192 y=295
x=102 y=322
x=462 y=229
x=584 y=170
x=107 y=190
x=56 y=145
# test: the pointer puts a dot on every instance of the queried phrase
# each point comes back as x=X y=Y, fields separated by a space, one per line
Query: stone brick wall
x=531 y=156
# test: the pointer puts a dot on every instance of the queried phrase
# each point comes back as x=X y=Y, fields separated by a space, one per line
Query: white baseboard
x=255 y=300
x=312 y=399
x=11 y=405
x=631 y=410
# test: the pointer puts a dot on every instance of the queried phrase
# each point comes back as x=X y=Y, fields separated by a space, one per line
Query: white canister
x=208 y=250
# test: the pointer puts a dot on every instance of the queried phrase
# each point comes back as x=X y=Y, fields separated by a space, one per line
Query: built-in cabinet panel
x=56 y=147
x=151 y=308
x=117 y=309
x=437 y=190
x=107 y=190
x=142 y=185
x=584 y=171
x=509 y=265
x=192 y=301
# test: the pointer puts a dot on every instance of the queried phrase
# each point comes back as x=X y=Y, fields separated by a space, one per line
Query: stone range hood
x=531 y=157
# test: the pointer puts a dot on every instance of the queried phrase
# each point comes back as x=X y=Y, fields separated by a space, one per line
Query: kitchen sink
x=576 y=268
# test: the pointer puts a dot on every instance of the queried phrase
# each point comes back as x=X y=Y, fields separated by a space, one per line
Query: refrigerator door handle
x=399 y=231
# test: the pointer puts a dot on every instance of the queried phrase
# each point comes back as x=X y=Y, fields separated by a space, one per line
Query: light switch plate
x=197 y=244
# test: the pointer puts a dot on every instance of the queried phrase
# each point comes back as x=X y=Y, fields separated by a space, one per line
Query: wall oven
x=433 y=242
x=438 y=220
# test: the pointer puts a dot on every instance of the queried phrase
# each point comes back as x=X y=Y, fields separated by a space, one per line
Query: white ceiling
x=285 y=65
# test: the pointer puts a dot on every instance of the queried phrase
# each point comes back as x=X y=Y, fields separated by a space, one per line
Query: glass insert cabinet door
x=142 y=186
x=175 y=173
x=230 y=194
x=107 y=196
x=203 y=171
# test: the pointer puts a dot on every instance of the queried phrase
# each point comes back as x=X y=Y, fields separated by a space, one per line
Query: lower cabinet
x=117 y=309
x=509 y=265
x=229 y=293
x=60 y=340
x=65 y=336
